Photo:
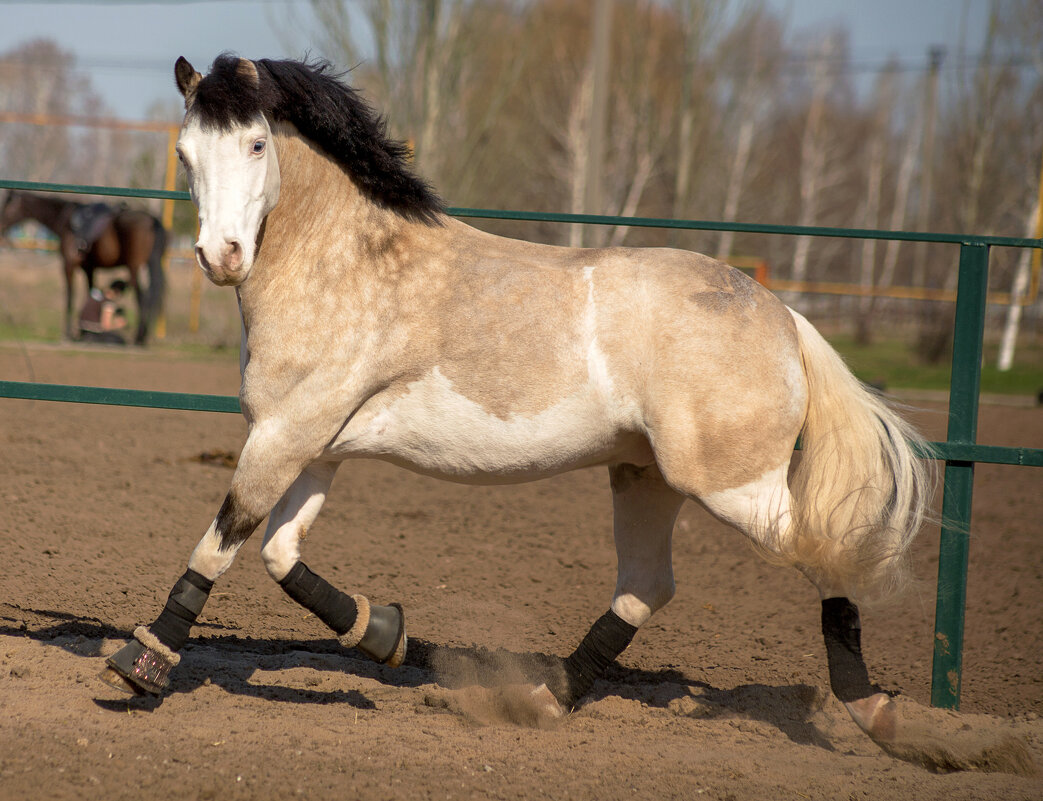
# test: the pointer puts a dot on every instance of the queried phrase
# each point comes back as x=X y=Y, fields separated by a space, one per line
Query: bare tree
x=644 y=46
x=751 y=55
x=974 y=178
x=903 y=184
x=1022 y=26
x=817 y=167
x=876 y=152
x=644 y=120
x=699 y=22
x=39 y=78
x=1019 y=290
x=441 y=69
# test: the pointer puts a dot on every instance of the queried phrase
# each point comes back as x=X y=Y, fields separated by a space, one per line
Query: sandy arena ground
x=723 y=695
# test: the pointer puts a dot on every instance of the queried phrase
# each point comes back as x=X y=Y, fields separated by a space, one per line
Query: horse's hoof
x=876 y=715
x=384 y=640
x=939 y=740
x=139 y=668
x=520 y=704
x=114 y=679
x=546 y=705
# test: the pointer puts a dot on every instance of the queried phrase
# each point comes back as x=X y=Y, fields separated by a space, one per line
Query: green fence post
x=964 y=386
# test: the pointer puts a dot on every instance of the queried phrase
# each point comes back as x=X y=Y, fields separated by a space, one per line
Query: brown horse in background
x=131 y=238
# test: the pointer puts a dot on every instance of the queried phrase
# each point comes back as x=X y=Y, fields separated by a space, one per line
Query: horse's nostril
x=201 y=258
x=234 y=254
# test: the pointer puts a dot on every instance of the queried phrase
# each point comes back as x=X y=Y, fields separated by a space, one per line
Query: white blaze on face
x=233 y=177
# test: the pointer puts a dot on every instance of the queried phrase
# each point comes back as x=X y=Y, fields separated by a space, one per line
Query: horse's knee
x=279 y=555
x=210 y=558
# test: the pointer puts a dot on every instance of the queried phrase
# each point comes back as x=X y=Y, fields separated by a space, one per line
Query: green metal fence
x=960 y=450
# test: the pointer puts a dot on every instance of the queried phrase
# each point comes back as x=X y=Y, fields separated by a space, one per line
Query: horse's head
x=233 y=172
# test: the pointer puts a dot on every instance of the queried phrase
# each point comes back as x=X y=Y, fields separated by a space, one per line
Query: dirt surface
x=723 y=694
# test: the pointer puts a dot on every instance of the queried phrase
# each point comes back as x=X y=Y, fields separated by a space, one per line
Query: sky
x=128 y=49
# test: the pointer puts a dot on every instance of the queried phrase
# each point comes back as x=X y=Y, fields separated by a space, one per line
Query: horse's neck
x=335 y=274
x=48 y=212
x=324 y=235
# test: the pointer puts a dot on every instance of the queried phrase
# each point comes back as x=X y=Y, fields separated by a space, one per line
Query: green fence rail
x=601 y=219
x=184 y=401
x=960 y=450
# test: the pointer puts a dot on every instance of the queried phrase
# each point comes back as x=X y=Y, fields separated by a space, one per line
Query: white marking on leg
x=208 y=559
x=289 y=521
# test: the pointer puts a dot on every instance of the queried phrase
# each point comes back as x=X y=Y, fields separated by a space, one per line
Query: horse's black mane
x=330 y=114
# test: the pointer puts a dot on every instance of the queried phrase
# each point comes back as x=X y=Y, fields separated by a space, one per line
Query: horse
x=124 y=238
x=374 y=325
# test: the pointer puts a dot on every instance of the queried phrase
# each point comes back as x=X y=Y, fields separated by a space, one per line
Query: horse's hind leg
x=870 y=707
x=377 y=631
x=761 y=510
x=69 y=269
x=644 y=509
x=141 y=298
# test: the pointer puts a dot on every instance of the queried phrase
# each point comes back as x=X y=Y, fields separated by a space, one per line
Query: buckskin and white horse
x=374 y=325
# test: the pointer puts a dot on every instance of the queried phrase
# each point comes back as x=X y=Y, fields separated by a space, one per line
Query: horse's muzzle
x=227 y=266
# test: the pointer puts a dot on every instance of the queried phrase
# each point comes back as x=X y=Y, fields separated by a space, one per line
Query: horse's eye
x=258 y=147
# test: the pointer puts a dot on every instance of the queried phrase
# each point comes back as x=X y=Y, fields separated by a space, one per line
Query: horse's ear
x=187 y=79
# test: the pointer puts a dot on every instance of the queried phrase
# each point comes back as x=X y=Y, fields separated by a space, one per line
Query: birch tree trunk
x=871 y=217
x=743 y=145
x=903 y=184
x=577 y=142
x=923 y=217
x=1020 y=288
x=812 y=158
x=689 y=14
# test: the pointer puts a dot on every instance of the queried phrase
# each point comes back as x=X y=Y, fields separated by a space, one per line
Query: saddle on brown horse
x=89 y=221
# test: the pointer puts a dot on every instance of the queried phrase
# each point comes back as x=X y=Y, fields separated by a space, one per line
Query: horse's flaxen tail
x=157 y=279
x=860 y=492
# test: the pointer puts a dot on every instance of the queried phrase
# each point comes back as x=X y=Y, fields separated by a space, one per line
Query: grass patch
x=36 y=330
x=893 y=363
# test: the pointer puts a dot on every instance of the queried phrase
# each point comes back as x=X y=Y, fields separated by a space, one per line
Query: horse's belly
x=436 y=431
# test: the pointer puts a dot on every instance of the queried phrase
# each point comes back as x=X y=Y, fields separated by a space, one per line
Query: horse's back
x=692 y=353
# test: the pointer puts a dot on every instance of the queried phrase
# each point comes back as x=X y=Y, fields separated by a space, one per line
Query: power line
x=140 y=2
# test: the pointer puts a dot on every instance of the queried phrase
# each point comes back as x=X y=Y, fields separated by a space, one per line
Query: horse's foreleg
x=144 y=664
x=645 y=509
x=377 y=631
